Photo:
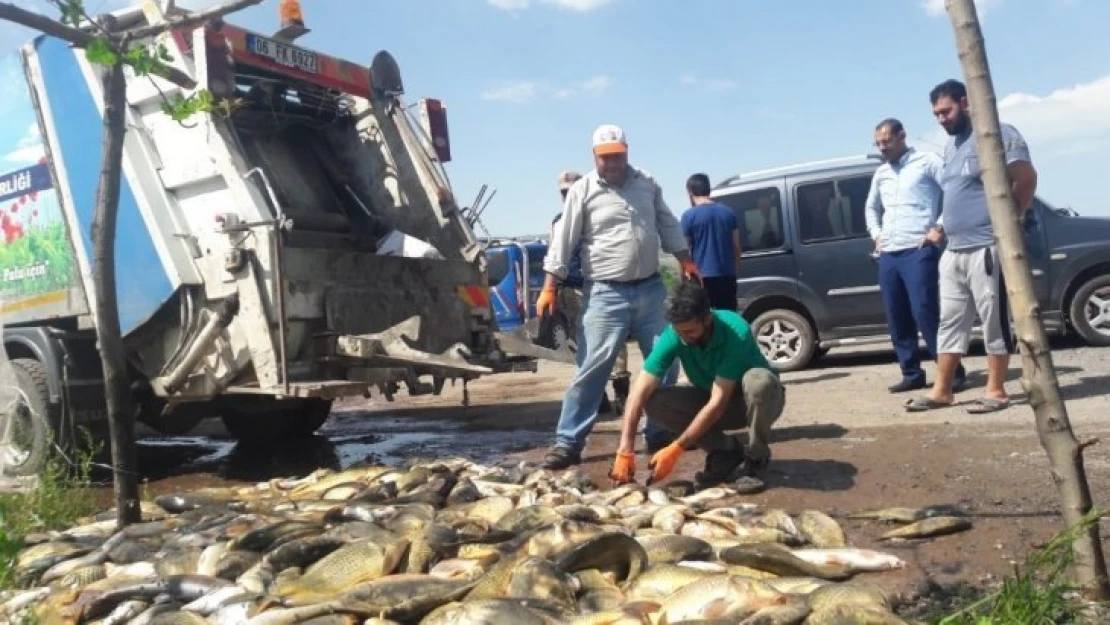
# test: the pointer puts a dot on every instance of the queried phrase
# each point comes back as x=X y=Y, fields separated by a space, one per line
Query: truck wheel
x=787 y=339
x=26 y=424
x=1090 y=311
x=253 y=428
x=275 y=422
x=304 y=421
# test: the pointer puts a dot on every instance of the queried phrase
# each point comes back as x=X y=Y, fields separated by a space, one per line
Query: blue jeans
x=610 y=313
x=910 y=283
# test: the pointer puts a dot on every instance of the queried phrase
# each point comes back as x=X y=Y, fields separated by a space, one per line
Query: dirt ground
x=843 y=444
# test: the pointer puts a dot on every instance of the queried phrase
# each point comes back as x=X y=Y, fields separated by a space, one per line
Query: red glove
x=663 y=462
x=545 y=303
x=624 y=468
x=690 y=270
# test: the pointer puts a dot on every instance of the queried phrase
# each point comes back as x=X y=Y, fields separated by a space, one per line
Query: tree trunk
x=116 y=380
x=1065 y=454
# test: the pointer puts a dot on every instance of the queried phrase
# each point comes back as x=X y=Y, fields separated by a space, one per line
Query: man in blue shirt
x=970 y=280
x=902 y=205
x=713 y=232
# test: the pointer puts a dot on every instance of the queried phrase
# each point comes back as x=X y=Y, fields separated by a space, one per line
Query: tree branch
x=11 y=13
x=192 y=19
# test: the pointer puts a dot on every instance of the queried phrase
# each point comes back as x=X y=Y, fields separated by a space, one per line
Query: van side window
x=760 y=215
x=832 y=210
x=535 y=266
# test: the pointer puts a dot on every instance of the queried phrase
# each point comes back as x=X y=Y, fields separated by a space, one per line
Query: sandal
x=983 y=405
x=921 y=404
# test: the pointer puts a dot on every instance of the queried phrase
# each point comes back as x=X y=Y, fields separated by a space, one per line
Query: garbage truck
x=297 y=244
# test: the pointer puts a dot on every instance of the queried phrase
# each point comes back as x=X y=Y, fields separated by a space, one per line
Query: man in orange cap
x=617 y=214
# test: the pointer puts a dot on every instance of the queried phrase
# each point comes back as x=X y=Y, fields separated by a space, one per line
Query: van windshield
x=498 y=265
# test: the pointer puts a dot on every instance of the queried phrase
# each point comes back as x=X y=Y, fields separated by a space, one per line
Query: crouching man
x=732 y=386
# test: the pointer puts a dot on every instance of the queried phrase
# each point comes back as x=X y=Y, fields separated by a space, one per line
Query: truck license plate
x=287 y=56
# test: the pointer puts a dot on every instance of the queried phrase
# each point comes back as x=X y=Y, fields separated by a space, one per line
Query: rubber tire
x=30 y=379
x=808 y=347
x=276 y=425
x=548 y=338
x=1077 y=316
x=310 y=418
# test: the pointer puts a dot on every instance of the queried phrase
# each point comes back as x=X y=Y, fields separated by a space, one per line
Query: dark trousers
x=910 y=284
x=721 y=291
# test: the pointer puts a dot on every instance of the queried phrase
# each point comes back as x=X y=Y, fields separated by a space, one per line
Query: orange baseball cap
x=609 y=139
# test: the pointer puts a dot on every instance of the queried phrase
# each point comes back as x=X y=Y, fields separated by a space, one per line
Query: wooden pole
x=1065 y=453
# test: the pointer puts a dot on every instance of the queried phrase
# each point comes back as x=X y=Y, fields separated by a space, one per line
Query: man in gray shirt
x=970 y=273
x=617 y=215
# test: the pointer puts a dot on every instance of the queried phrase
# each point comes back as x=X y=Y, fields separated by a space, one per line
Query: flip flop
x=983 y=405
x=921 y=404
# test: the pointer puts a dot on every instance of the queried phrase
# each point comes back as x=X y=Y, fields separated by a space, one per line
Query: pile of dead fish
x=450 y=541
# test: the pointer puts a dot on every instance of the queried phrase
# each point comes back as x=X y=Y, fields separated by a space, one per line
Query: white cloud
x=1066 y=122
x=29 y=149
x=578 y=5
x=595 y=85
x=523 y=91
x=510 y=5
x=1077 y=115
x=935 y=8
x=515 y=92
x=581 y=6
x=708 y=84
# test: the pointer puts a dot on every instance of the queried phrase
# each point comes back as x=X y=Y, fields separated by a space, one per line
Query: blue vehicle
x=510 y=265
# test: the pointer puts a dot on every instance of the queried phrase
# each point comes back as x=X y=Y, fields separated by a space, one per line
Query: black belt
x=627 y=282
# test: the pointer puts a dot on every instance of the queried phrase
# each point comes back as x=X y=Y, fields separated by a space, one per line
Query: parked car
x=511 y=265
x=808 y=282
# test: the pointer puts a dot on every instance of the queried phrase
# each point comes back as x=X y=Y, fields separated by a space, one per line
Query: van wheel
x=1090 y=311
x=557 y=334
x=26 y=423
x=787 y=339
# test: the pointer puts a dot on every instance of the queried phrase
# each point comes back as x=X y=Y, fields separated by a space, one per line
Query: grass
x=1038 y=593
x=64 y=494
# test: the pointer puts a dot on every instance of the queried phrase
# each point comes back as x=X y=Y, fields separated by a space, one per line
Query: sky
x=714 y=86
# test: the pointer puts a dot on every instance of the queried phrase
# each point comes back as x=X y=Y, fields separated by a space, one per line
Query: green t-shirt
x=731 y=352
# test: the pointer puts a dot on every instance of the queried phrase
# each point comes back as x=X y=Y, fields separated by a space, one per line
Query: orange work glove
x=690 y=270
x=624 y=468
x=662 y=463
x=545 y=303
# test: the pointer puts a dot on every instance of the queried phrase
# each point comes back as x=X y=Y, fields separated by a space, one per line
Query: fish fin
x=716 y=608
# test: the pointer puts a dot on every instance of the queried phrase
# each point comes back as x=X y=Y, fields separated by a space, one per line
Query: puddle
x=349 y=438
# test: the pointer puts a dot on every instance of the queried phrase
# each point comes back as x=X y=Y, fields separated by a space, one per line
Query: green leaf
x=180 y=108
x=100 y=52
x=72 y=11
